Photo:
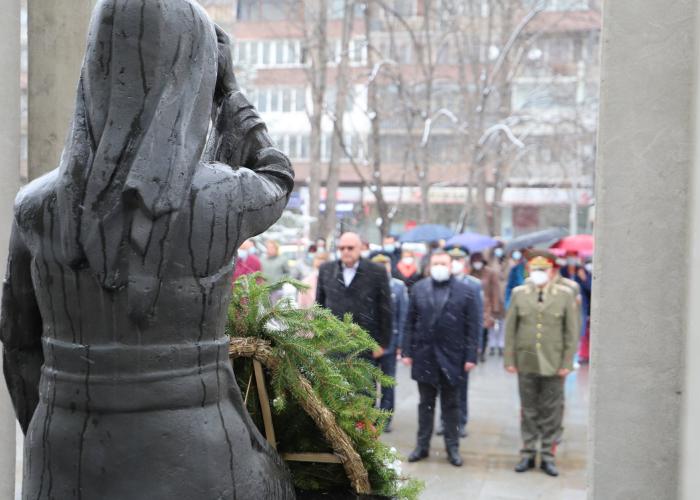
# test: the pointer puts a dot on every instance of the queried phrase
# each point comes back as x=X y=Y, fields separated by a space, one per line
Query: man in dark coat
x=441 y=344
x=356 y=286
x=399 y=309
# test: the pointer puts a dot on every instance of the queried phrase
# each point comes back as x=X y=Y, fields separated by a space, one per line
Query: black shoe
x=454 y=458
x=549 y=468
x=492 y=351
x=440 y=431
x=483 y=356
x=525 y=464
x=500 y=351
x=388 y=428
x=463 y=431
x=417 y=455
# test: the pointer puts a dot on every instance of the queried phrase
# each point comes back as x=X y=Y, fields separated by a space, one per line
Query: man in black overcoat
x=354 y=285
x=440 y=344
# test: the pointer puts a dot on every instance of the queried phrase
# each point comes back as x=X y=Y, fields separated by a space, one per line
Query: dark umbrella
x=427 y=233
x=473 y=242
x=538 y=238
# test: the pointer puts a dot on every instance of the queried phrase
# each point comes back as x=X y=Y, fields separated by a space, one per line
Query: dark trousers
x=463 y=402
x=542 y=405
x=449 y=406
x=387 y=364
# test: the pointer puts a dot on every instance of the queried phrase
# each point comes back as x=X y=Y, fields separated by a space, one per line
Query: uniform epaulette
x=522 y=289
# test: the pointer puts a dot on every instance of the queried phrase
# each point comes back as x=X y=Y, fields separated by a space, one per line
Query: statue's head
x=142 y=115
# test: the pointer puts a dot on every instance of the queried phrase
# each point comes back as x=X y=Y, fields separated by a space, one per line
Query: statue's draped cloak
x=115 y=299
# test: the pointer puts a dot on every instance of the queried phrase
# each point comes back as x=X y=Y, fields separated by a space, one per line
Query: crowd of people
x=444 y=310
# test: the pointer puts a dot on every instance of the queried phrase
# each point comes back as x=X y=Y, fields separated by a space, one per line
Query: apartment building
x=547 y=106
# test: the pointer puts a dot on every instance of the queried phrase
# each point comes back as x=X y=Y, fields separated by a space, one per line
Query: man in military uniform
x=541 y=341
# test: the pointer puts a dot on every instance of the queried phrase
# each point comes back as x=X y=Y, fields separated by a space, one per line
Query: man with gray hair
x=356 y=286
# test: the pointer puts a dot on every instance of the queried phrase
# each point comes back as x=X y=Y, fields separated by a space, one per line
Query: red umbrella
x=581 y=244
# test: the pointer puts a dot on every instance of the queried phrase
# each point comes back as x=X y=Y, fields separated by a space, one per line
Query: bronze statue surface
x=120 y=266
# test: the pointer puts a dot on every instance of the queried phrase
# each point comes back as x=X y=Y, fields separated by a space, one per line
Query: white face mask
x=457 y=267
x=478 y=265
x=389 y=248
x=539 y=278
x=517 y=255
x=440 y=273
x=243 y=254
x=407 y=260
x=365 y=254
x=588 y=267
x=498 y=252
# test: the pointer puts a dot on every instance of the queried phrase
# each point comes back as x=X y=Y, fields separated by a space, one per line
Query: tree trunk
x=316 y=38
x=337 y=149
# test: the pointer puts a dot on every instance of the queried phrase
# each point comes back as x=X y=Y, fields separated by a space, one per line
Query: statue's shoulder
x=33 y=197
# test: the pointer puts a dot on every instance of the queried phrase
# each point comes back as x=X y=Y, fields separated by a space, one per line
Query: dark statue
x=120 y=267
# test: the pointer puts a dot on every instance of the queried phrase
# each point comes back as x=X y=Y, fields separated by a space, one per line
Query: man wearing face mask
x=440 y=345
x=541 y=341
x=407 y=269
x=461 y=270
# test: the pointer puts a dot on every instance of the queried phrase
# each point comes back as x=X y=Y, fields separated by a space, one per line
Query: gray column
x=690 y=459
x=9 y=182
x=57 y=35
x=641 y=264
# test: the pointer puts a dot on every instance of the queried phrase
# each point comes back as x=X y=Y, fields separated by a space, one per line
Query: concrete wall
x=9 y=182
x=639 y=305
x=57 y=35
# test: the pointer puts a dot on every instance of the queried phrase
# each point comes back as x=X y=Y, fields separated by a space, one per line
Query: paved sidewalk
x=491 y=449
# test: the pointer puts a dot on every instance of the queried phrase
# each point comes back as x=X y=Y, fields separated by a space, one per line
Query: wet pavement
x=491 y=449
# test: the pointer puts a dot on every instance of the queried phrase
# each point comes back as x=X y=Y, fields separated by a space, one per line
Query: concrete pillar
x=690 y=459
x=9 y=182
x=642 y=233
x=57 y=35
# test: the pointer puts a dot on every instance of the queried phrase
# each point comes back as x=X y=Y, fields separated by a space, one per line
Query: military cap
x=380 y=258
x=541 y=259
x=457 y=253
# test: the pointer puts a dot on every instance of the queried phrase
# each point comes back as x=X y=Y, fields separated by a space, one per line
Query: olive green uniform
x=541 y=339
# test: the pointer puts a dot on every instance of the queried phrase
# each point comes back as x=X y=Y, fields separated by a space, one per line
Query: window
x=293 y=142
x=274 y=101
x=265 y=53
x=261 y=10
x=557 y=5
x=286 y=100
x=279 y=52
x=253 y=59
x=304 y=147
x=262 y=100
x=300 y=99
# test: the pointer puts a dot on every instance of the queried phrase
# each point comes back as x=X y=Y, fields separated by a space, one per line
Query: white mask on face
x=539 y=278
x=440 y=273
x=242 y=254
x=457 y=267
x=498 y=252
x=517 y=255
x=588 y=267
x=407 y=261
x=389 y=248
x=478 y=265
x=365 y=254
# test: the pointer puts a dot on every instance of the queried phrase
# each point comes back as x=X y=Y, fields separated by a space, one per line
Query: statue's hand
x=225 y=78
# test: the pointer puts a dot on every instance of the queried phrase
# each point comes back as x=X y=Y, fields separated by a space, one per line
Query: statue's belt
x=126 y=378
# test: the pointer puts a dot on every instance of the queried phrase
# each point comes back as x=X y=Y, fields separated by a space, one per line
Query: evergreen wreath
x=322 y=390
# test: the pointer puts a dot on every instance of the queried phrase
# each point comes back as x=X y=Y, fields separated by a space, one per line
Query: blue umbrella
x=427 y=233
x=474 y=242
